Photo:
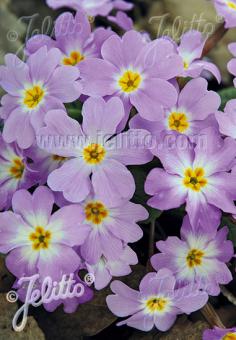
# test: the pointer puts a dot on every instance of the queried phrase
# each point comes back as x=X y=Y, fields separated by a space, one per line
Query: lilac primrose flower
x=227 y=120
x=33 y=88
x=232 y=63
x=157 y=302
x=92 y=152
x=35 y=240
x=70 y=304
x=219 y=334
x=73 y=37
x=15 y=172
x=196 y=176
x=199 y=257
x=136 y=71
x=190 y=49
x=193 y=111
x=92 y=7
x=108 y=227
x=227 y=9
x=104 y=270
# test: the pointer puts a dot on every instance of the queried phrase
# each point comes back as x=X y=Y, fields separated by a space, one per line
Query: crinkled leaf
x=231 y=224
x=226 y=95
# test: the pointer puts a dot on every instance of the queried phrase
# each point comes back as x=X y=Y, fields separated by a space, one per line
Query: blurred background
x=20 y=19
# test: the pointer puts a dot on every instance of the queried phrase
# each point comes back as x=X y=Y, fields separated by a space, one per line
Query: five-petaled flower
x=193 y=111
x=92 y=151
x=35 y=240
x=198 y=175
x=200 y=256
x=157 y=302
x=73 y=37
x=136 y=71
x=33 y=88
x=108 y=227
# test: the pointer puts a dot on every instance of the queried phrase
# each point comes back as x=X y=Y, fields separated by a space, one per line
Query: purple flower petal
x=112 y=182
x=73 y=171
x=95 y=116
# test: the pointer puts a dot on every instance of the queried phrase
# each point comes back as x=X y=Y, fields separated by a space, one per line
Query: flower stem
x=214 y=39
x=152 y=238
x=229 y=296
x=151 y=244
x=211 y=316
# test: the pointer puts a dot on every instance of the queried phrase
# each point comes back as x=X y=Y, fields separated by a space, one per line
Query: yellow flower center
x=57 y=158
x=194 y=179
x=186 y=65
x=40 y=238
x=156 y=304
x=74 y=58
x=194 y=258
x=231 y=5
x=94 y=154
x=95 y=212
x=130 y=81
x=33 y=97
x=178 y=122
x=17 y=168
x=229 y=336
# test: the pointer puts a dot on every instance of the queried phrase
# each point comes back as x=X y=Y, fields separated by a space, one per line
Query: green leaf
x=74 y=110
x=140 y=176
x=154 y=214
x=226 y=95
x=231 y=224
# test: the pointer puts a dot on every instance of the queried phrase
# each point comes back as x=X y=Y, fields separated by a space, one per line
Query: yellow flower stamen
x=33 y=97
x=231 y=5
x=17 y=168
x=156 y=304
x=194 y=179
x=94 y=154
x=186 y=65
x=74 y=58
x=95 y=212
x=194 y=258
x=229 y=336
x=40 y=238
x=178 y=122
x=130 y=81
